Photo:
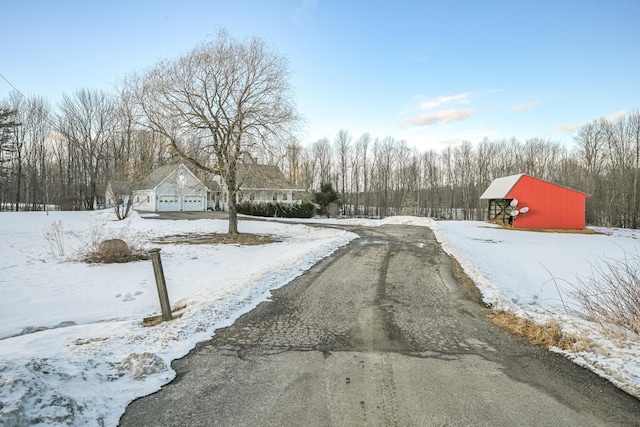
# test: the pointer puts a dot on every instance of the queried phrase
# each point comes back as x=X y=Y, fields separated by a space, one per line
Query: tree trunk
x=232 y=188
x=233 y=213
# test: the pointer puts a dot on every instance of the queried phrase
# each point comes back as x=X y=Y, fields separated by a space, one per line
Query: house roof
x=252 y=176
x=156 y=177
x=159 y=174
x=500 y=187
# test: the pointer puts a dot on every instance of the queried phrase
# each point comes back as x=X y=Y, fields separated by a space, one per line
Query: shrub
x=70 y=204
x=611 y=295
x=54 y=235
x=95 y=245
x=280 y=210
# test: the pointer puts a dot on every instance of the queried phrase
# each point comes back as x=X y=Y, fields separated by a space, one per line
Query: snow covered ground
x=73 y=351
x=535 y=273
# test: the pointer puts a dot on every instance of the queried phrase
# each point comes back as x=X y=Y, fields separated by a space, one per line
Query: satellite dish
x=524 y=210
x=514 y=203
x=515 y=212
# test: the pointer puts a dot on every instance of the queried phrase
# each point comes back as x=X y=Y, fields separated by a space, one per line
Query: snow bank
x=72 y=348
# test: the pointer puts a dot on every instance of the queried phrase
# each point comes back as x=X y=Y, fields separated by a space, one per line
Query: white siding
x=168 y=203
x=144 y=200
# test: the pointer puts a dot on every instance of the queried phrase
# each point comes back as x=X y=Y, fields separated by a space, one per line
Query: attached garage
x=168 y=203
x=192 y=203
x=170 y=188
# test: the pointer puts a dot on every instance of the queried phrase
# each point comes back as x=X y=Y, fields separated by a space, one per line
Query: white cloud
x=443 y=116
x=572 y=127
x=458 y=98
x=433 y=103
x=567 y=127
x=524 y=107
x=616 y=116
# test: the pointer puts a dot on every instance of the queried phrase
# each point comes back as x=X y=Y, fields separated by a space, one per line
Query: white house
x=259 y=184
x=169 y=188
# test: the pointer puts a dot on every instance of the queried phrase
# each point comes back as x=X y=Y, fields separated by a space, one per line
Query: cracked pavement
x=378 y=334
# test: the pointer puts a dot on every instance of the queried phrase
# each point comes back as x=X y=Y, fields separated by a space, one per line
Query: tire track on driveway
x=378 y=334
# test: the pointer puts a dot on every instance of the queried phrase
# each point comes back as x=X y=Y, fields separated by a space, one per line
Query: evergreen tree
x=7 y=145
x=326 y=196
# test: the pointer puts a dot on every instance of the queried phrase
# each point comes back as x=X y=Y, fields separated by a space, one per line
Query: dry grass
x=545 y=335
x=469 y=288
x=246 y=239
x=553 y=230
x=150 y=321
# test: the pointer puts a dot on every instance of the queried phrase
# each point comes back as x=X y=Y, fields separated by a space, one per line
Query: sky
x=433 y=73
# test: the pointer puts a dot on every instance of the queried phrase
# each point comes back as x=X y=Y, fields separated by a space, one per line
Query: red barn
x=527 y=202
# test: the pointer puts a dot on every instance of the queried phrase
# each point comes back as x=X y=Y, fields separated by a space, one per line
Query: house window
x=285 y=196
x=275 y=197
x=252 y=197
x=137 y=199
x=148 y=199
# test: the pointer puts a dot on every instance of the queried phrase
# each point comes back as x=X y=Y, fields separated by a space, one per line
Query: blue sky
x=430 y=72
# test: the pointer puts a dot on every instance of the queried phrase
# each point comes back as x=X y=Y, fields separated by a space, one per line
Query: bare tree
x=321 y=150
x=308 y=169
x=30 y=172
x=342 y=144
x=8 y=128
x=218 y=103
x=430 y=200
x=360 y=167
x=385 y=154
x=357 y=166
x=121 y=195
x=293 y=157
x=87 y=121
x=465 y=175
x=634 y=136
x=592 y=156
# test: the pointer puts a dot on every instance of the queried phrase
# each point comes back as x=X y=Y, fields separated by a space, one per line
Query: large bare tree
x=218 y=104
x=321 y=150
x=343 y=149
x=30 y=182
x=87 y=121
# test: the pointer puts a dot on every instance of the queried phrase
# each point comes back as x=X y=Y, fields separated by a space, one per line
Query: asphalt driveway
x=378 y=334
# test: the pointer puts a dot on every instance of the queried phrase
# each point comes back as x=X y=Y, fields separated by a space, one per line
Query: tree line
x=228 y=102
x=382 y=177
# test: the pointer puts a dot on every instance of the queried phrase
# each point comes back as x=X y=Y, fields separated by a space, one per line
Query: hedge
x=281 y=210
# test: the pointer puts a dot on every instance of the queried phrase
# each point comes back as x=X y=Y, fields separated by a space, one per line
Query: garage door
x=169 y=203
x=193 y=203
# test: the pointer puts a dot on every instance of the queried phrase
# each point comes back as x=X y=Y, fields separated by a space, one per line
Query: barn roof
x=500 y=187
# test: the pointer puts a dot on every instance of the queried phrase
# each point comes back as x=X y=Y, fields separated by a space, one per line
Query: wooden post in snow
x=161 y=284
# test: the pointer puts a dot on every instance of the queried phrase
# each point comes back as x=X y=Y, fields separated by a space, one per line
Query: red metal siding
x=550 y=205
